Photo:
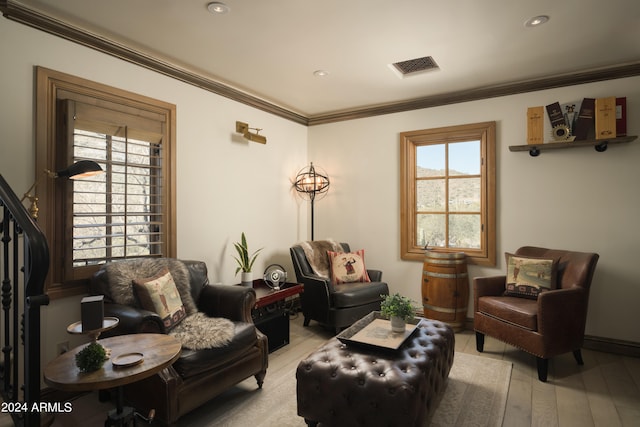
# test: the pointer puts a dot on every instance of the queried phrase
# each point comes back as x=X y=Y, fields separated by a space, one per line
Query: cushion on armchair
x=529 y=276
x=160 y=295
x=347 y=267
x=123 y=274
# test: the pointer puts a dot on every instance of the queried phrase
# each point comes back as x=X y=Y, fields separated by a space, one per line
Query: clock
x=275 y=276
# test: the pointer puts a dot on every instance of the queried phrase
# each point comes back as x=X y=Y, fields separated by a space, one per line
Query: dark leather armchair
x=198 y=375
x=550 y=325
x=337 y=306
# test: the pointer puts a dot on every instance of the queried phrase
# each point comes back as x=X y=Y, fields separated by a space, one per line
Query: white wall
x=225 y=185
x=574 y=199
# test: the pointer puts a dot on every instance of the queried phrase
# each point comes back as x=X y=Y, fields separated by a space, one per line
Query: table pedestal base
x=124 y=417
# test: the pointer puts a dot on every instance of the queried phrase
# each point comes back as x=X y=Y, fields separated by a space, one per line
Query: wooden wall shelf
x=600 y=145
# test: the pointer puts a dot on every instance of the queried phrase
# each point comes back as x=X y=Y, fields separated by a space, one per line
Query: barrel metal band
x=444 y=310
x=444 y=275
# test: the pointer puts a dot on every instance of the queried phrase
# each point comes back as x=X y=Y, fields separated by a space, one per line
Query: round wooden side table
x=133 y=358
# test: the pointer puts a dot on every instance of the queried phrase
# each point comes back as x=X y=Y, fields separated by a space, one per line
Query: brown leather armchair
x=335 y=306
x=550 y=325
x=198 y=375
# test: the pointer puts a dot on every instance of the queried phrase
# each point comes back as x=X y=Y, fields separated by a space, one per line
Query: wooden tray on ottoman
x=374 y=332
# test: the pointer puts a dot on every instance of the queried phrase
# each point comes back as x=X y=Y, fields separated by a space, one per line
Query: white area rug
x=475 y=395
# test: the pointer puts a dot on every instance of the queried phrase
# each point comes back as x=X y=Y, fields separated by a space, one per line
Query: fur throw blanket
x=316 y=253
x=122 y=274
x=200 y=331
x=197 y=331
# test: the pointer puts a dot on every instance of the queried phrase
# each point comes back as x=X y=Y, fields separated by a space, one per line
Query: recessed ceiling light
x=320 y=73
x=536 y=21
x=218 y=7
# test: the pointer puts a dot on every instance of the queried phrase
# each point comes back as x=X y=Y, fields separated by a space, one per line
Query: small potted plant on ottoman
x=398 y=309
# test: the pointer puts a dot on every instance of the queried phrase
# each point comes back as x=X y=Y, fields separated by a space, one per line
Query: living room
x=575 y=199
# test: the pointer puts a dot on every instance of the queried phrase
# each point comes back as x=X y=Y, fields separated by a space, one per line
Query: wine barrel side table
x=445 y=287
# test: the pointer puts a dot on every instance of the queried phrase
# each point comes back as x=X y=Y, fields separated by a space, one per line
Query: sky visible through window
x=463 y=157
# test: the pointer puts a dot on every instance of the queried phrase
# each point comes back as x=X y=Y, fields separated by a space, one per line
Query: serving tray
x=374 y=332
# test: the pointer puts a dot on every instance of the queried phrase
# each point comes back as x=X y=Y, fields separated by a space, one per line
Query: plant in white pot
x=398 y=309
x=244 y=260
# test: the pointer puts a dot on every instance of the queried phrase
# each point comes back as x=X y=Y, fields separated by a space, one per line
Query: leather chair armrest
x=375 y=275
x=232 y=302
x=487 y=286
x=566 y=307
x=132 y=320
x=317 y=291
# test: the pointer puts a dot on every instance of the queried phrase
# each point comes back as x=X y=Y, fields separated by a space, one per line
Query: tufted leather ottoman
x=340 y=385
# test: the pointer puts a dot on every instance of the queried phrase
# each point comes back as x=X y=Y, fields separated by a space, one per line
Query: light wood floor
x=605 y=391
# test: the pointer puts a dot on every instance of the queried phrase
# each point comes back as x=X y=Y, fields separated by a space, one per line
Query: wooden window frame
x=485 y=132
x=52 y=86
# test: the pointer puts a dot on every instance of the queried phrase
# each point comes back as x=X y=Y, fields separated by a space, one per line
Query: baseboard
x=607 y=345
x=610 y=345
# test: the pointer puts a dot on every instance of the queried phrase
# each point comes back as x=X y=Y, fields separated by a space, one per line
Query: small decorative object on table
x=274 y=276
x=244 y=260
x=91 y=358
x=398 y=309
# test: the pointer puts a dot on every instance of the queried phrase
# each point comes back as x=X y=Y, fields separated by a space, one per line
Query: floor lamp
x=311 y=183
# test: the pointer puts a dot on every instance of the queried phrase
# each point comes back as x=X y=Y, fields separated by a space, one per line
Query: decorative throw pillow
x=160 y=295
x=347 y=267
x=529 y=276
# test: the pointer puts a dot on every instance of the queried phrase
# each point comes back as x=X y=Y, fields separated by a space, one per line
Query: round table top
x=158 y=351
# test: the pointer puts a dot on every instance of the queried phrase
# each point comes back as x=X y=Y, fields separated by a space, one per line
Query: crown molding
x=19 y=13
x=531 y=85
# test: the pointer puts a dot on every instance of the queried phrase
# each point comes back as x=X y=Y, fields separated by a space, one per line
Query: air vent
x=414 y=66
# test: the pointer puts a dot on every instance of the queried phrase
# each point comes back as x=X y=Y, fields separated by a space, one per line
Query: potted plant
x=244 y=260
x=398 y=309
x=91 y=358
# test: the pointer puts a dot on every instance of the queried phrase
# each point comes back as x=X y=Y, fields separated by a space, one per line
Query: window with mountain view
x=448 y=191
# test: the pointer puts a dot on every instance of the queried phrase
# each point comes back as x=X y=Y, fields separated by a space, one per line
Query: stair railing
x=24 y=259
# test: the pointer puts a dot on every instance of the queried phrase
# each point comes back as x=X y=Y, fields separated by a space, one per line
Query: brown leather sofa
x=198 y=375
x=550 y=325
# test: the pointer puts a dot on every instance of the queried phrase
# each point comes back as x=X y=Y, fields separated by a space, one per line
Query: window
x=126 y=212
x=448 y=191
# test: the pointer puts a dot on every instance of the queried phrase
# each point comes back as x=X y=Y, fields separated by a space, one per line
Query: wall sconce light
x=244 y=129
x=78 y=170
x=310 y=183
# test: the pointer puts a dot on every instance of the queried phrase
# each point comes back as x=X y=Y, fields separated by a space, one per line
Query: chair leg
x=577 y=354
x=479 y=341
x=260 y=378
x=306 y=321
x=543 y=368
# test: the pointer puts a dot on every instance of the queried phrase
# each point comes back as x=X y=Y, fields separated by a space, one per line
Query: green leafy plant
x=397 y=305
x=244 y=260
x=91 y=358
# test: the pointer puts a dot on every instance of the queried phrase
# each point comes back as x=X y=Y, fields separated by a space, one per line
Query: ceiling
x=269 y=49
